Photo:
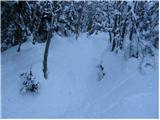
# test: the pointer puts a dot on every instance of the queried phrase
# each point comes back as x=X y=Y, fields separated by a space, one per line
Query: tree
x=48 y=18
x=132 y=26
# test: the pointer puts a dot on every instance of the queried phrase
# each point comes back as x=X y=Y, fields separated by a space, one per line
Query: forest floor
x=72 y=89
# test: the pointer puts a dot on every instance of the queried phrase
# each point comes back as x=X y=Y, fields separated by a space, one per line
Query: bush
x=30 y=85
x=101 y=73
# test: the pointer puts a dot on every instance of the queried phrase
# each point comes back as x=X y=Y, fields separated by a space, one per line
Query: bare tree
x=49 y=36
x=45 y=68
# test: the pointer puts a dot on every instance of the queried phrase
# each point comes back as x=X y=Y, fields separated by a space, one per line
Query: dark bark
x=19 y=27
x=109 y=22
x=114 y=34
x=131 y=33
x=45 y=67
x=90 y=23
x=110 y=36
x=19 y=47
x=123 y=34
x=79 y=20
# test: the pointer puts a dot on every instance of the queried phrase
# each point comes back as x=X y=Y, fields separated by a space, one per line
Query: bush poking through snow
x=101 y=73
x=29 y=83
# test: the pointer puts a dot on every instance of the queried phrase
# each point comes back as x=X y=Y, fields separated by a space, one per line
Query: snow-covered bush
x=101 y=73
x=30 y=85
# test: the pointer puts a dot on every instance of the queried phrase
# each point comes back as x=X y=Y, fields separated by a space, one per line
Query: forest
x=74 y=42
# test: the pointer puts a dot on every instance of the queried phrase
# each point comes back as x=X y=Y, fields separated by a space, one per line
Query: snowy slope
x=72 y=89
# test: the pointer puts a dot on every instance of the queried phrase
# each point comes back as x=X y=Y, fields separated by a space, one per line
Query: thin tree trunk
x=90 y=22
x=45 y=67
x=113 y=45
x=131 y=33
x=79 y=19
x=110 y=36
x=45 y=61
x=19 y=47
x=114 y=34
x=123 y=34
x=109 y=22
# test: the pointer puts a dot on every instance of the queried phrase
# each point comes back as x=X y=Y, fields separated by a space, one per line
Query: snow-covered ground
x=72 y=89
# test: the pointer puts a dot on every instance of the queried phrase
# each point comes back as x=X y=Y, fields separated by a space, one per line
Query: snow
x=72 y=89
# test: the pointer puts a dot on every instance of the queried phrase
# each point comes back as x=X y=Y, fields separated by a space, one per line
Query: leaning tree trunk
x=45 y=68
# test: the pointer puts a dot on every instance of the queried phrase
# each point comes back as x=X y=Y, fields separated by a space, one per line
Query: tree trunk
x=131 y=33
x=45 y=67
x=110 y=36
x=123 y=34
x=90 y=23
x=19 y=47
x=79 y=20
x=114 y=34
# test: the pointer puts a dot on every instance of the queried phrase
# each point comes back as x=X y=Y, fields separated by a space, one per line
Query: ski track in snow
x=72 y=89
